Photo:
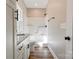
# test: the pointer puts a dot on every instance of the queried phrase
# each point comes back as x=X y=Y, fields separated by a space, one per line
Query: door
x=10 y=7
x=69 y=27
x=56 y=39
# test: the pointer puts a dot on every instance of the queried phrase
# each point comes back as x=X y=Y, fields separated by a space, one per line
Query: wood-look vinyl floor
x=40 y=53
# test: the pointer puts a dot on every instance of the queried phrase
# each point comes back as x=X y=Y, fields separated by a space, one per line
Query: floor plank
x=40 y=53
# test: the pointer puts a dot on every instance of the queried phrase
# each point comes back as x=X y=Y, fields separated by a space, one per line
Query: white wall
x=36 y=28
x=36 y=12
x=34 y=23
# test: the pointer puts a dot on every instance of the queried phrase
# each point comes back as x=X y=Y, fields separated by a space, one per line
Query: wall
x=57 y=9
x=36 y=28
x=34 y=23
x=36 y=12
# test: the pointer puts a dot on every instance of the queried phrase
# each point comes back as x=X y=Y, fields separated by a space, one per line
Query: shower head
x=51 y=19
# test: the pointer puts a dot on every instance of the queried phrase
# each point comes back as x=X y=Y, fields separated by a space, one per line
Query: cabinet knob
x=20 y=48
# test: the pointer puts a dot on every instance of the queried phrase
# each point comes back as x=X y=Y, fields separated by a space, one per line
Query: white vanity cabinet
x=22 y=31
x=20 y=53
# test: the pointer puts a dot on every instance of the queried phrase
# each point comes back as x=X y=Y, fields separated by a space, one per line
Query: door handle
x=67 y=38
x=16 y=13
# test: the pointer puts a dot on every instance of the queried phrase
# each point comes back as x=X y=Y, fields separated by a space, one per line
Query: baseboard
x=53 y=54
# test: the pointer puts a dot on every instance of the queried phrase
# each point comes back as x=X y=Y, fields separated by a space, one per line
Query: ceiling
x=36 y=3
